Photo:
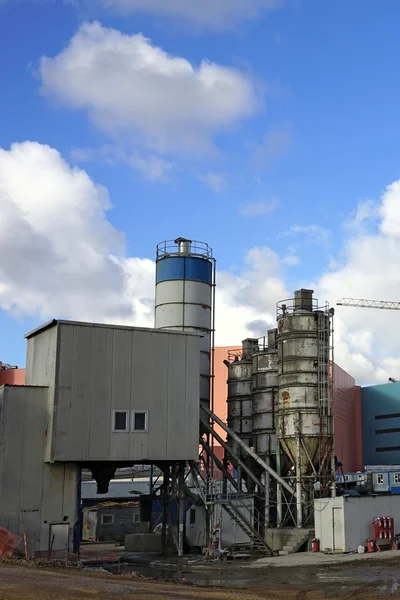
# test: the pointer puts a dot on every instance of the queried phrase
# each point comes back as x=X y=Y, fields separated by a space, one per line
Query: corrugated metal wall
x=101 y=369
x=33 y=494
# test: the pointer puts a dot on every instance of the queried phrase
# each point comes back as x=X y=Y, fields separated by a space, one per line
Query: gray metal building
x=36 y=498
x=116 y=393
x=98 y=397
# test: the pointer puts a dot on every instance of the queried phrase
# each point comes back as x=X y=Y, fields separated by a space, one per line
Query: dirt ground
x=380 y=579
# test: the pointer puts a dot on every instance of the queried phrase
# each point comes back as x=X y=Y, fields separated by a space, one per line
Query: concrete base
x=143 y=542
x=278 y=538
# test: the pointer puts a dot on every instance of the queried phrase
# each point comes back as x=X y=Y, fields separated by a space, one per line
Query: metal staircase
x=238 y=509
x=257 y=541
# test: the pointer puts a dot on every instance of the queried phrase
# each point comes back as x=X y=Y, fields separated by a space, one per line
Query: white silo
x=185 y=291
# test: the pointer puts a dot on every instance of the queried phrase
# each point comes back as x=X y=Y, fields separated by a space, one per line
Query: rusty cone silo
x=303 y=410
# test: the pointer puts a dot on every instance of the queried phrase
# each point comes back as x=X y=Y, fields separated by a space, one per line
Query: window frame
x=146 y=421
x=396 y=477
x=126 y=412
x=380 y=479
x=107 y=515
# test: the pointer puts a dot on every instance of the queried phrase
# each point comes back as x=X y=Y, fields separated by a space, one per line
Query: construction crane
x=361 y=303
x=381 y=304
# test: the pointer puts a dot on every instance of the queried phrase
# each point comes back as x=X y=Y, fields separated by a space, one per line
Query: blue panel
x=189 y=268
x=380 y=406
x=169 y=269
x=198 y=269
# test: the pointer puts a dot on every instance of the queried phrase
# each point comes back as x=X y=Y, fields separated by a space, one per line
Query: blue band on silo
x=185 y=267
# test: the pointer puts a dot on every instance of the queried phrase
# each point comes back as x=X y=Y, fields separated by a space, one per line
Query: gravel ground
x=349 y=581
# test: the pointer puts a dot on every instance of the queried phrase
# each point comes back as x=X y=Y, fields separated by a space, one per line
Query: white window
x=107 y=519
x=379 y=479
x=139 y=420
x=120 y=420
x=397 y=477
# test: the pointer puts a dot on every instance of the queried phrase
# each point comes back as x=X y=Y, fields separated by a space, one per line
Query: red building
x=11 y=376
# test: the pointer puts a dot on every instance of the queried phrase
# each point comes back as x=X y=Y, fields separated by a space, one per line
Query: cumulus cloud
x=134 y=90
x=59 y=255
x=208 y=13
x=366 y=343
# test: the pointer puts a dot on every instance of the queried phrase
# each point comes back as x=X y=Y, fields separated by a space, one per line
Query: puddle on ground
x=241 y=578
x=176 y=574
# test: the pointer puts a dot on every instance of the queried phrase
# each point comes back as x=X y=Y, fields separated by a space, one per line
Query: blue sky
x=285 y=175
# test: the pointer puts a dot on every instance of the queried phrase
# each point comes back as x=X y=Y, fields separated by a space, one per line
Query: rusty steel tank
x=265 y=393
x=303 y=379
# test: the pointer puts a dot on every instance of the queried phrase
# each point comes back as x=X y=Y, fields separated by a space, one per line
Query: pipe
x=165 y=508
x=249 y=451
x=238 y=460
x=181 y=479
x=267 y=495
x=299 y=506
x=278 y=488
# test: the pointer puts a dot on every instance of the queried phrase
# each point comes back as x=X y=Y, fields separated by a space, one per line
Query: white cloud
x=150 y=166
x=208 y=13
x=366 y=213
x=243 y=301
x=258 y=208
x=366 y=340
x=291 y=260
x=216 y=182
x=133 y=90
x=153 y=168
x=59 y=255
x=312 y=233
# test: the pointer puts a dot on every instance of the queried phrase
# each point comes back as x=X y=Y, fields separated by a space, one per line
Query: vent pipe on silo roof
x=303 y=300
x=184 y=245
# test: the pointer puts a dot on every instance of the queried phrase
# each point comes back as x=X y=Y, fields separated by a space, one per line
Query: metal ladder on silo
x=323 y=362
x=324 y=383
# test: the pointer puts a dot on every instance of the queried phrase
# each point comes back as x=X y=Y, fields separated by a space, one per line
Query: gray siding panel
x=99 y=437
x=82 y=378
x=32 y=493
x=121 y=389
x=192 y=409
x=41 y=358
x=177 y=429
x=64 y=391
x=103 y=368
x=158 y=402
